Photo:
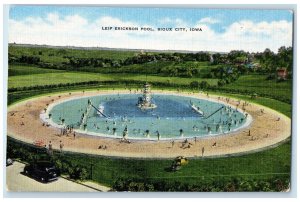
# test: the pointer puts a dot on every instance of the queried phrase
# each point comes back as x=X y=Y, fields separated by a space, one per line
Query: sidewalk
x=90 y=184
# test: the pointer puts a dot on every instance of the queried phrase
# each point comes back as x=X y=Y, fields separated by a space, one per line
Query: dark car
x=44 y=171
x=9 y=161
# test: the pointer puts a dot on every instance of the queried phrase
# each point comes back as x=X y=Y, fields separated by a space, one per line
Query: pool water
x=173 y=118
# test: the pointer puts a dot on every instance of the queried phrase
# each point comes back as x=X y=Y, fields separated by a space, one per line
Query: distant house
x=282 y=73
x=249 y=66
x=211 y=58
x=229 y=70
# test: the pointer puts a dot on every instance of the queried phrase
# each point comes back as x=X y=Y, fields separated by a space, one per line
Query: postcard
x=149 y=99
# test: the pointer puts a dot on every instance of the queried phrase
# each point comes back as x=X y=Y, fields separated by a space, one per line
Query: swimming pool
x=174 y=117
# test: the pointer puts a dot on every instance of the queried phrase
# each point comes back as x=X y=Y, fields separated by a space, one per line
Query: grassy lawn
x=259 y=84
x=34 y=76
x=164 y=67
x=282 y=107
x=54 y=78
x=261 y=165
x=56 y=54
x=162 y=79
x=15 y=70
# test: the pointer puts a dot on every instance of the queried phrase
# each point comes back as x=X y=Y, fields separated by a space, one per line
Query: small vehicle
x=9 y=161
x=178 y=162
x=44 y=171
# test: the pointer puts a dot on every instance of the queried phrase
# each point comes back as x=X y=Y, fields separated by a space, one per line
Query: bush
x=204 y=85
x=221 y=83
x=77 y=173
x=194 y=84
x=214 y=185
x=271 y=77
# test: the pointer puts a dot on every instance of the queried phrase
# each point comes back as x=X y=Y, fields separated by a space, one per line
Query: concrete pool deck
x=266 y=129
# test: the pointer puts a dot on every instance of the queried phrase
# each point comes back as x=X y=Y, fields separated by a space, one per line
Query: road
x=17 y=182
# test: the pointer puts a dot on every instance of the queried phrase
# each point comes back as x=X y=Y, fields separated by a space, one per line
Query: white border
x=212 y=196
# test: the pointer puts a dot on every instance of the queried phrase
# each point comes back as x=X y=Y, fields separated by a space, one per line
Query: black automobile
x=9 y=161
x=44 y=171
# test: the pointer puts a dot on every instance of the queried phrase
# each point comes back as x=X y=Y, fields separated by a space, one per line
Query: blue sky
x=153 y=15
x=217 y=21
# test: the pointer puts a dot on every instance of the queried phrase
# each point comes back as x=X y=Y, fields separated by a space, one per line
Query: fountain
x=144 y=102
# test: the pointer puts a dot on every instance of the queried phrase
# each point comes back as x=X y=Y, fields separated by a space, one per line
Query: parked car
x=44 y=171
x=9 y=161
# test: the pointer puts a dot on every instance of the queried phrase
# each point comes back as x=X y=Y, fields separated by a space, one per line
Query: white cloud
x=52 y=17
x=176 y=22
x=109 y=21
x=75 y=30
x=208 y=20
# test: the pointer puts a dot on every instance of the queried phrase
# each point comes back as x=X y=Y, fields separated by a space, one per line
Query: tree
x=83 y=175
x=285 y=57
x=217 y=58
x=204 y=85
x=268 y=60
x=221 y=83
x=194 y=84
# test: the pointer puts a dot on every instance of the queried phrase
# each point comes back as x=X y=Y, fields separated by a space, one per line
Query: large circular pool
x=174 y=116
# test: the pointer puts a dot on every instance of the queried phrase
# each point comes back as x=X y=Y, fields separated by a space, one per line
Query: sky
x=223 y=30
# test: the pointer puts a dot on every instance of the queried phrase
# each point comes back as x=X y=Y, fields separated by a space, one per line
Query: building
x=282 y=74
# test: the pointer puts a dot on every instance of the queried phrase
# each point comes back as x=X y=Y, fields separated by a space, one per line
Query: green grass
x=55 y=55
x=34 y=76
x=165 y=67
x=259 y=84
x=15 y=70
x=270 y=164
x=54 y=78
x=261 y=165
x=162 y=79
x=282 y=107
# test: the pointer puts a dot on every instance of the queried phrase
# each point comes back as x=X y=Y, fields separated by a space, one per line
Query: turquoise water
x=172 y=115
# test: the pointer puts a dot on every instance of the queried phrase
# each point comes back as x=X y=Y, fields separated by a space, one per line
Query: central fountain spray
x=144 y=102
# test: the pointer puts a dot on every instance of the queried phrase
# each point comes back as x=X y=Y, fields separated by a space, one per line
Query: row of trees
x=225 y=67
x=270 y=61
x=107 y=62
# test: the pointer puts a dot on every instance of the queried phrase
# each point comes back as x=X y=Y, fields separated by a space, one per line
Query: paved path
x=17 y=182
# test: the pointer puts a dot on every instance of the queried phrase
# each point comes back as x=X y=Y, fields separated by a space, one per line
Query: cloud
x=75 y=30
x=52 y=17
x=208 y=20
x=172 y=22
x=109 y=21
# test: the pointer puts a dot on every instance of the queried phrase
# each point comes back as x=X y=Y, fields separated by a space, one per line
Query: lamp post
x=92 y=165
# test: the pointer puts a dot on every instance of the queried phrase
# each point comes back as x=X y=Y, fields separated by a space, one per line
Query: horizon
x=126 y=49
